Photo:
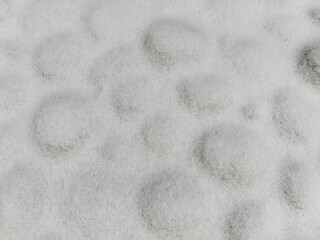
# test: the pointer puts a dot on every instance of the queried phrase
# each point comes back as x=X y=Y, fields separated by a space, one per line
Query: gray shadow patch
x=308 y=65
x=242 y=220
x=291 y=184
x=284 y=120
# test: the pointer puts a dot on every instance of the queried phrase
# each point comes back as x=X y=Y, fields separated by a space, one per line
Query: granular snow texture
x=159 y=120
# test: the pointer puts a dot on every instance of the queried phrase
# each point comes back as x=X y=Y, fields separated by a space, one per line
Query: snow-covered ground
x=159 y=120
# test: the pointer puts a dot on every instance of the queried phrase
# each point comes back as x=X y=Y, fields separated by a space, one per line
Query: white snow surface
x=159 y=120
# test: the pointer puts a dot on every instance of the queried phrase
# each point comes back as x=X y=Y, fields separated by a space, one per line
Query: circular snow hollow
x=165 y=203
x=232 y=154
x=206 y=95
x=62 y=123
x=169 y=42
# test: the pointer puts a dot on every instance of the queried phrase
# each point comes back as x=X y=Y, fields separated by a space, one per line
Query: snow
x=151 y=120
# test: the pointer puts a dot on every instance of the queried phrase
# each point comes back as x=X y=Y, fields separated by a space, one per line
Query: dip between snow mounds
x=23 y=195
x=120 y=80
x=118 y=63
x=94 y=203
x=62 y=60
x=233 y=154
x=131 y=96
x=14 y=93
x=86 y=202
x=159 y=134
